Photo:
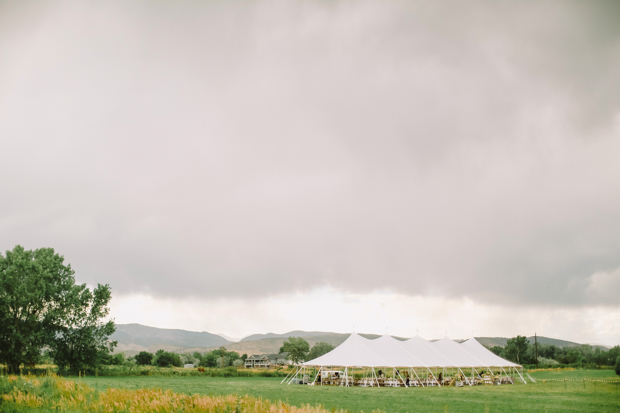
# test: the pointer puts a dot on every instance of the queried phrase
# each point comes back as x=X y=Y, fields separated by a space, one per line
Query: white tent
x=393 y=353
x=386 y=351
x=424 y=351
x=488 y=359
x=354 y=352
x=455 y=353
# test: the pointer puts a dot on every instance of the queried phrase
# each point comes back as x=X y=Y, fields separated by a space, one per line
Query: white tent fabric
x=386 y=351
x=393 y=353
x=423 y=349
x=455 y=353
x=473 y=347
x=354 y=352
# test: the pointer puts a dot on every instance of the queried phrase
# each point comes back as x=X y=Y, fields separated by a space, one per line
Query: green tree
x=297 y=348
x=219 y=362
x=198 y=356
x=319 y=349
x=516 y=348
x=617 y=366
x=144 y=358
x=498 y=350
x=167 y=359
x=117 y=359
x=81 y=336
x=40 y=305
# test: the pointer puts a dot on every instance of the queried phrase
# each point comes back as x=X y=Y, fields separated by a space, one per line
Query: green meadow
x=551 y=393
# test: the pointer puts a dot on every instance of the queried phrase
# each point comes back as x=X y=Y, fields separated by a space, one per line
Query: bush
x=144 y=358
x=238 y=363
x=168 y=359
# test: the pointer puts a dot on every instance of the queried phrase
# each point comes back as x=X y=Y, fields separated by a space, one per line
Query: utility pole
x=536 y=349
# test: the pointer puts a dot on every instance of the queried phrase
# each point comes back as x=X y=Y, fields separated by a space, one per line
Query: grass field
x=548 y=396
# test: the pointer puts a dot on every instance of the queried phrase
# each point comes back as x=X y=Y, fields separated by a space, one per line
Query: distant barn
x=267 y=360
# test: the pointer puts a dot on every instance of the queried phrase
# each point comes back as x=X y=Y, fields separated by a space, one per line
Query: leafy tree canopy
x=167 y=359
x=41 y=305
x=319 y=349
x=144 y=358
x=297 y=348
x=516 y=348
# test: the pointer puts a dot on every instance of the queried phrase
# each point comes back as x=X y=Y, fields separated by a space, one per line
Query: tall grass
x=52 y=393
x=118 y=371
x=135 y=370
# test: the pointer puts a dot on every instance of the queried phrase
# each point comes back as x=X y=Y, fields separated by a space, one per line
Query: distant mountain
x=133 y=338
x=296 y=333
x=231 y=339
x=273 y=343
x=501 y=341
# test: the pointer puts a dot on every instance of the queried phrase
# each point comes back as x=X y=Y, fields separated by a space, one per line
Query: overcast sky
x=244 y=167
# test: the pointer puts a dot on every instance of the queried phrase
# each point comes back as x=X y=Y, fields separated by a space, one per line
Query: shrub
x=144 y=358
x=167 y=359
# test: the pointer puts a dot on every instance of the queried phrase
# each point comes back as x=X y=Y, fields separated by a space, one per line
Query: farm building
x=267 y=360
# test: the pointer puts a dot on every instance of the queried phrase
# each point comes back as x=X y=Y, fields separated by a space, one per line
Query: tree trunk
x=13 y=368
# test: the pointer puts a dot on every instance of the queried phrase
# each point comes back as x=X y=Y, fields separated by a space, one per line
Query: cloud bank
x=229 y=150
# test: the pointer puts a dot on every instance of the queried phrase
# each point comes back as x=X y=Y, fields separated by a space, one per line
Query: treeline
x=215 y=358
x=297 y=348
x=520 y=350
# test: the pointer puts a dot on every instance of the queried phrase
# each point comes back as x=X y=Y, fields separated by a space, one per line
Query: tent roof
x=455 y=353
x=393 y=353
x=386 y=351
x=430 y=355
x=353 y=352
x=473 y=347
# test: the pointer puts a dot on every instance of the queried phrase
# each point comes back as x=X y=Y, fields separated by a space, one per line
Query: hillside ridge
x=133 y=338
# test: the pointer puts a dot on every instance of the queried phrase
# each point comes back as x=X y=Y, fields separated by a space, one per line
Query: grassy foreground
x=31 y=394
x=551 y=393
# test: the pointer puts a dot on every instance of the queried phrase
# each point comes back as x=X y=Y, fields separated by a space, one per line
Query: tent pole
x=296 y=373
x=401 y=377
x=436 y=381
x=477 y=372
x=507 y=375
x=291 y=375
x=522 y=379
x=287 y=376
x=464 y=376
x=375 y=374
x=317 y=375
x=416 y=374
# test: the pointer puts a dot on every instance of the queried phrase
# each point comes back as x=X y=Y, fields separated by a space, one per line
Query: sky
x=441 y=168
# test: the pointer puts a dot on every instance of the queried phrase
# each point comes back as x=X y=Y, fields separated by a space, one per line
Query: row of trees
x=298 y=349
x=215 y=358
x=521 y=351
x=41 y=306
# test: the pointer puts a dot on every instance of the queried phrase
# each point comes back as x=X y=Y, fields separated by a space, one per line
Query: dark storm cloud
x=235 y=149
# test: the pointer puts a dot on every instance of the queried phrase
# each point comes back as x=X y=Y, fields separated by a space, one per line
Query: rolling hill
x=133 y=338
x=296 y=333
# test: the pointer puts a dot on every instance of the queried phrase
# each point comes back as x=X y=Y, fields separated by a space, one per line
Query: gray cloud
x=215 y=149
